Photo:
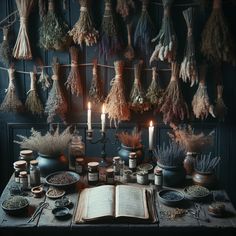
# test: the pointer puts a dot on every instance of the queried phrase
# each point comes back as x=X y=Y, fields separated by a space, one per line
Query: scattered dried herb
x=5 y=48
x=173 y=213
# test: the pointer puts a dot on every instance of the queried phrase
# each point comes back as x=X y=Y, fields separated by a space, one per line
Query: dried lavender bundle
x=109 y=42
x=83 y=30
x=166 y=39
x=123 y=7
x=188 y=68
x=74 y=80
x=154 y=92
x=138 y=101
x=129 y=51
x=44 y=79
x=5 y=48
x=116 y=105
x=33 y=102
x=11 y=102
x=96 y=87
x=22 y=49
x=56 y=103
x=172 y=103
x=144 y=31
x=217 y=41
x=220 y=110
x=53 y=33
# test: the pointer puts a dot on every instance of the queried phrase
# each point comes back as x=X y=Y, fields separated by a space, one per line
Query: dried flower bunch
x=130 y=140
x=205 y=163
x=192 y=142
x=170 y=155
x=49 y=144
x=83 y=30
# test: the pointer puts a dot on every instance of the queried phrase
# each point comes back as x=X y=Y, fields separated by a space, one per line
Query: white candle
x=103 y=118
x=89 y=116
x=151 y=133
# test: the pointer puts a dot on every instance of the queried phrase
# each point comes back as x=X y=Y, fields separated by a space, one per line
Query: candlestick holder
x=151 y=157
x=103 y=140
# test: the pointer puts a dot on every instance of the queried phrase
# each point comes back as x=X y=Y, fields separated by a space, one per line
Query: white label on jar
x=132 y=163
x=158 y=180
x=79 y=169
x=92 y=176
x=110 y=180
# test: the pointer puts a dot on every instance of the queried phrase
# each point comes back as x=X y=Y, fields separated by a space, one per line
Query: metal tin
x=142 y=177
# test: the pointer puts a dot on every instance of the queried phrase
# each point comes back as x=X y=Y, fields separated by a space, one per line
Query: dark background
x=12 y=124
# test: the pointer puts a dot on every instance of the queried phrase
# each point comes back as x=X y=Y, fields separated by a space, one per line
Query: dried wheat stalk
x=22 y=49
x=5 y=48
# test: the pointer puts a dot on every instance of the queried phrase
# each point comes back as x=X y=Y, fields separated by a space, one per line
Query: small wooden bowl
x=37 y=191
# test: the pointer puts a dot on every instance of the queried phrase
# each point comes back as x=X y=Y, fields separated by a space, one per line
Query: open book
x=115 y=202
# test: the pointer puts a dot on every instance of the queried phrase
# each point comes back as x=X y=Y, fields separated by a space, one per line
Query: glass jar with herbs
x=26 y=155
x=34 y=174
x=18 y=167
x=93 y=173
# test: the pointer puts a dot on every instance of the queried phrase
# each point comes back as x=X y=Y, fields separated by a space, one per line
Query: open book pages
x=120 y=201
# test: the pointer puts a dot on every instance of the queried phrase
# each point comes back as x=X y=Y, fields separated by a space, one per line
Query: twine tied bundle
x=11 y=102
x=22 y=49
x=115 y=103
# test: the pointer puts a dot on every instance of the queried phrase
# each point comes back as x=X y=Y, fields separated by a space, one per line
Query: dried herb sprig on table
x=84 y=30
x=11 y=102
x=172 y=103
x=166 y=39
x=74 y=83
x=188 y=68
x=217 y=42
x=123 y=7
x=154 y=92
x=115 y=103
x=22 y=49
x=144 y=31
x=130 y=140
x=48 y=144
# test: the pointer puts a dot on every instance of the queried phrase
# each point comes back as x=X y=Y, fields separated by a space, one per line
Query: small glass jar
x=122 y=166
x=19 y=166
x=24 y=180
x=158 y=179
x=142 y=177
x=27 y=155
x=34 y=174
x=93 y=173
x=127 y=176
x=132 y=161
x=116 y=165
x=110 y=176
x=79 y=165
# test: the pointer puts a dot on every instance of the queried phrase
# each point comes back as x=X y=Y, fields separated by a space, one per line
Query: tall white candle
x=89 y=116
x=150 y=135
x=103 y=118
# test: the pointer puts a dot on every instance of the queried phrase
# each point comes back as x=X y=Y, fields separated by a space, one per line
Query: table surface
x=166 y=219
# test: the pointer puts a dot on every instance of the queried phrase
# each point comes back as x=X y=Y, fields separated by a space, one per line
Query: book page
x=99 y=202
x=131 y=202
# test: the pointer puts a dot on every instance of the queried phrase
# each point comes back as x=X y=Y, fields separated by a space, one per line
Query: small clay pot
x=205 y=179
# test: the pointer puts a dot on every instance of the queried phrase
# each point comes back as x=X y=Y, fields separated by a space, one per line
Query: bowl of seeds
x=171 y=197
x=197 y=193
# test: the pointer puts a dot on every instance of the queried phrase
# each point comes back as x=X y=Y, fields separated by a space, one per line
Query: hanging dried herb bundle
x=44 y=79
x=109 y=41
x=129 y=51
x=166 y=39
x=116 y=105
x=83 y=30
x=42 y=9
x=188 y=68
x=33 y=102
x=74 y=80
x=201 y=102
x=172 y=103
x=56 y=103
x=154 y=92
x=53 y=33
x=22 y=49
x=5 y=48
x=144 y=31
x=123 y=7
x=217 y=42
x=96 y=87
x=138 y=101
x=220 y=110
x=11 y=102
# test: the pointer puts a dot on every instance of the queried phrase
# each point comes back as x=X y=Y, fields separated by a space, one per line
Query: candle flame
x=89 y=105
x=103 y=108
x=151 y=123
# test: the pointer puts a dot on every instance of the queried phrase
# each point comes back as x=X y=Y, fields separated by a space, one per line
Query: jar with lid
x=158 y=180
x=79 y=165
x=93 y=173
x=110 y=178
x=26 y=155
x=19 y=166
x=24 y=180
x=142 y=177
x=116 y=165
x=132 y=161
x=34 y=174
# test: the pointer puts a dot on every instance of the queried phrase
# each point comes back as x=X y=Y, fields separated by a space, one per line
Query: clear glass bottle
x=18 y=167
x=34 y=174
x=24 y=180
x=116 y=165
x=27 y=155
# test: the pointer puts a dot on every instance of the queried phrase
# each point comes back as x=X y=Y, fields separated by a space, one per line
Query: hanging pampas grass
x=73 y=82
x=11 y=102
x=33 y=103
x=115 y=103
x=56 y=103
x=22 y=49
x=83 y=30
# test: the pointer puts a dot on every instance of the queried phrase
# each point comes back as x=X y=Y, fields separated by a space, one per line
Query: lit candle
x=151 y=133
x=103 y=118
x=89 y=116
